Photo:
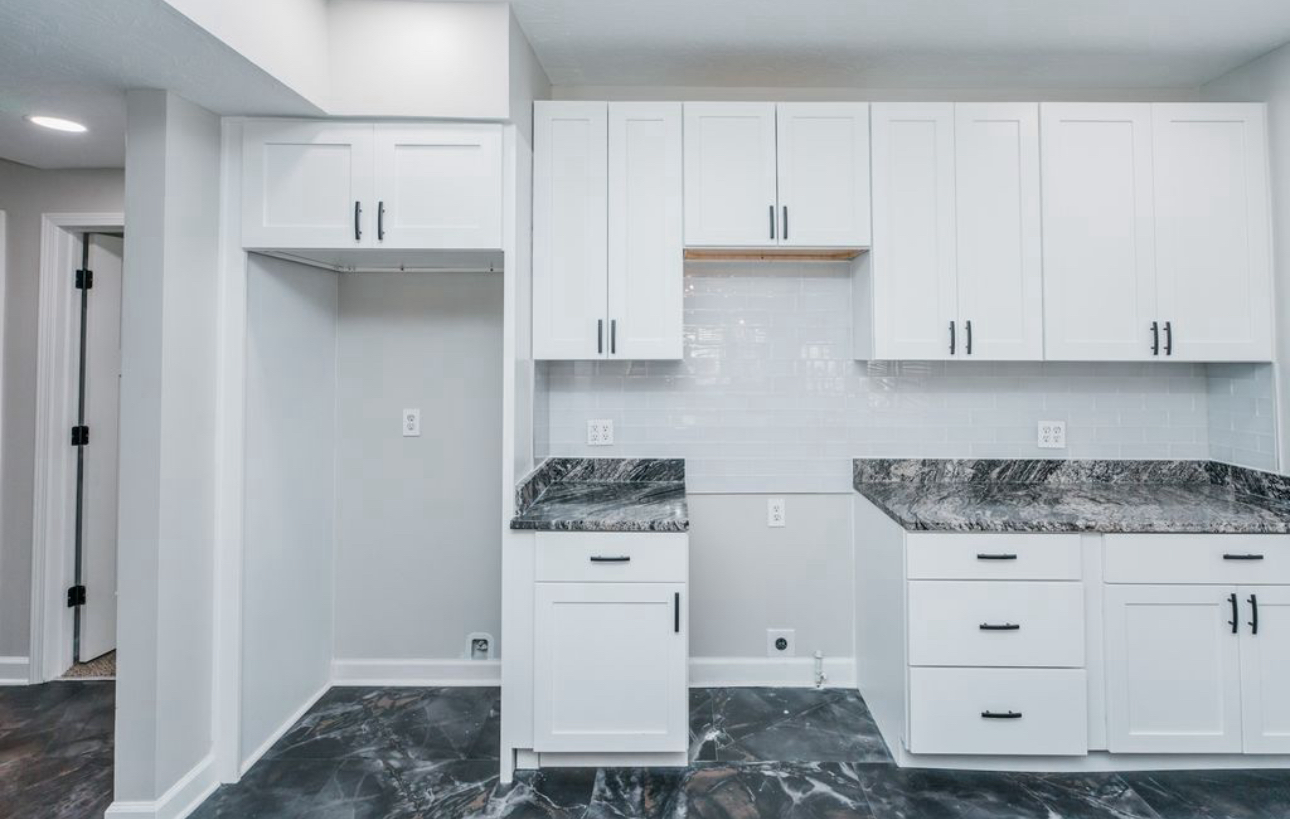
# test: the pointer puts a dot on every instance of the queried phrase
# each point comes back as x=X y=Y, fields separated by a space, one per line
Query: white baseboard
x=417 y=672
x=15 y=670
x=282 y=729
x=182 y=798
x=791 y=672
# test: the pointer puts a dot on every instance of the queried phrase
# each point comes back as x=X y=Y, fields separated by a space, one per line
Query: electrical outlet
x=600 y=433
x=1052 y=435
x=781 y=642
x=412 y=423
x=775 y=512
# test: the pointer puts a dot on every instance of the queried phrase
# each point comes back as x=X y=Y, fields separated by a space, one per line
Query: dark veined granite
x=1075 y=496
x=604 y=495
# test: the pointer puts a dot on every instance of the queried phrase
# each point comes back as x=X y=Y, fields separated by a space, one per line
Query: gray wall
x=289 y=527
x=25 y=194
x=418 y=535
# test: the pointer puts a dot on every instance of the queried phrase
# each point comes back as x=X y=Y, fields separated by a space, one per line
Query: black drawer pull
x=1000 y=627
x=1242 y=557
x=995 y=557
x=997 y=715
x=676 y=613
x=609 y=559
x=1254 y=608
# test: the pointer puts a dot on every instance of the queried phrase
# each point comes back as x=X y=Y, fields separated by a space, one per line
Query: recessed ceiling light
x=57 y=123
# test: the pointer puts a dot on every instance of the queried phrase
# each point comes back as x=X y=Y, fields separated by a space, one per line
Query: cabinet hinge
x=84 y=279
x=75 y=596
x=80 y=436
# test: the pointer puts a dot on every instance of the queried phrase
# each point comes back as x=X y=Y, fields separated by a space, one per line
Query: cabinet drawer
x=1217 y=559
x=1026 y=712
x=993 y=557
x=612 y=557
x=1033 y=625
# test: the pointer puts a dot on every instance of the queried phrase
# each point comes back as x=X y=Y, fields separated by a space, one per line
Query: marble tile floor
x=405 y=753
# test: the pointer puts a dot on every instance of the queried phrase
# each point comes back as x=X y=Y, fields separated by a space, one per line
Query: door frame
x=53 y=512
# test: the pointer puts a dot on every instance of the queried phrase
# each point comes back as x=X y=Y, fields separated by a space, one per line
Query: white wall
x=768 y=399
x=25 y=195
x=418 y=561
x=167 y=489
x=1267 y=79
x=289 y=528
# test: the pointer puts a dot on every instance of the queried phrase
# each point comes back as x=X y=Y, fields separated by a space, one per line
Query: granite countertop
x=604 y=495
x=1076 y=496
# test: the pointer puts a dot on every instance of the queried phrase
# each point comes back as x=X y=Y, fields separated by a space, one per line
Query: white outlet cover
x=776 y=512
x=412 y=423
x=600 y=432
x=1052 y=435
x=787 y=634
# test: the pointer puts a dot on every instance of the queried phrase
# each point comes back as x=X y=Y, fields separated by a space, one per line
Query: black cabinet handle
x=1000 y=627
x=997 y=715
x=785 y=225
x=676 y=613
x=1242 y=557
x=1254 y=617
x=358 y=226
x=772 y=221
x=613 y=336
x=951 y=338
x=986 y=556
x=1236 y=614
x=968 y=325
x=600 y=336
x=380 y=221
x=611 y=559
x=1169 y=338
x=1155 y=338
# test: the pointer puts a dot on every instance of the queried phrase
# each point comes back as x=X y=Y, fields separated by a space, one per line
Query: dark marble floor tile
x=905 y=793
x=58 y=786
x=787 y=791
x=794 y=725
x=742 y=711
x=1215 y=794
x=442 y=723
x=337 y=727
x=313 y=789
x=638 y=793
x=703 y=732
x=469 y=788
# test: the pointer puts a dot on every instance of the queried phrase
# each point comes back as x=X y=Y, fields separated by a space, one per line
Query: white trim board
x=424 y=673
x=182 y=799
x=15 y=671
x=281 y=730
x=782 y=672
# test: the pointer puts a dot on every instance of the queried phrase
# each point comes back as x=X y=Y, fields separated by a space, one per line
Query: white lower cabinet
x=1265 y=669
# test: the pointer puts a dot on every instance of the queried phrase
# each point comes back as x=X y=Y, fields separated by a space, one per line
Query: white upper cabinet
x=823 y=171
x=570 y=229
x=607 y=230
x=912 y=264
x=999 y=254
x=306 y=184
x=1213 y=249
x=439 y=186
x=730 y=188
x=646 y=272
x=1099 y=256
x=333 y=185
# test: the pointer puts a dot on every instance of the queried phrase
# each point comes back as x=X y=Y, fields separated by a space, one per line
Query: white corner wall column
x=164 y=695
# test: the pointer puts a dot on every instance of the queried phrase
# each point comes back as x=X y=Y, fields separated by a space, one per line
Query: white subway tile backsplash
x=1241 y=425
x=767 y=398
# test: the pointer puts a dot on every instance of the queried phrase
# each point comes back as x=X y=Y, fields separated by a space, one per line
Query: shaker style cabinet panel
x=823 y=173
x=999 y=262
x=307 y=184
x=570 y=229
x=439 y=186
x=1213 y=246
x=646 y=273
x=1265 y=668
x=730 y=185
x=609 y=665
x=1099 y=248
x=912 y=263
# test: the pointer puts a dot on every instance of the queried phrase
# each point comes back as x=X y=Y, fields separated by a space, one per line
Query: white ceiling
x=900 y=43
x=74 y=59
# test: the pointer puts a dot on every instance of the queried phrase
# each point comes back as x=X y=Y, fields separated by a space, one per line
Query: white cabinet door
x=730 y=193
x=1000 y=264
x=1172 y=670
x=1213 y=248
x=570 y=229
x=823 y=151
x=306 y=185
x=1265 y=668
x=439 y=186
x=1099 y=256
x=913 y=256
x=609 y=667
x=646 y=274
